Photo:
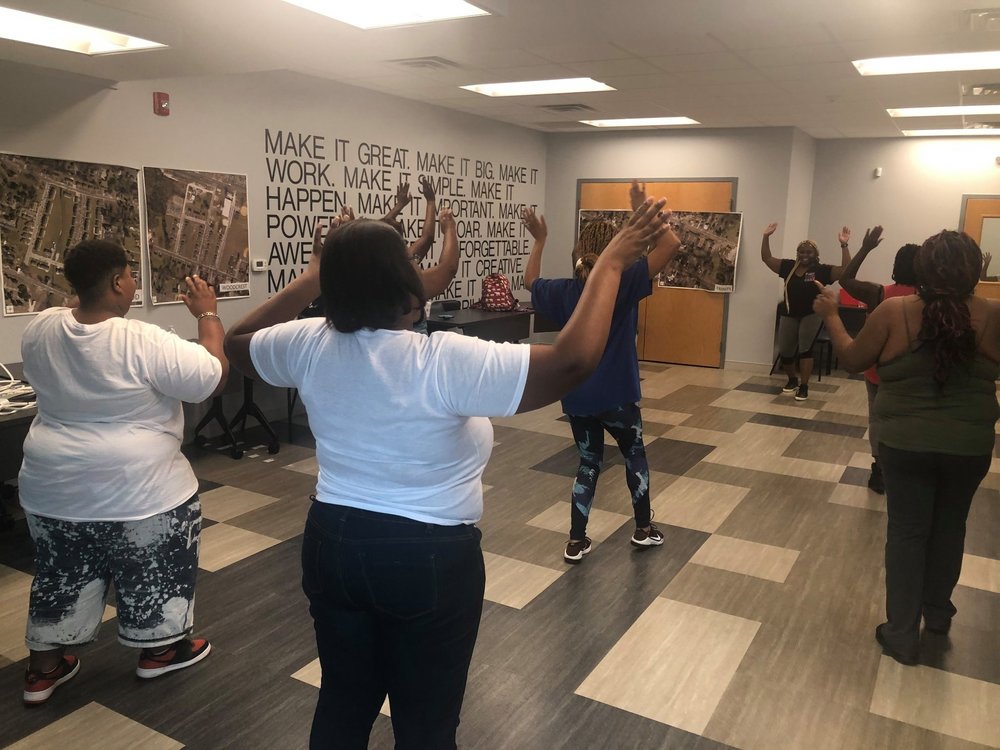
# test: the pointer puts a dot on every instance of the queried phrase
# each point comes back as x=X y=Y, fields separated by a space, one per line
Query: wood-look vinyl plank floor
x=95 y=726
x=806 y=680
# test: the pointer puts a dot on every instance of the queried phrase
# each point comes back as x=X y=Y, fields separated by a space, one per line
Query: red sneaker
x=179 y=655
x=39 y=686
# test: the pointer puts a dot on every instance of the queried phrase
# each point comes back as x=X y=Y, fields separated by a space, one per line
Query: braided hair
x=948 y=266
x=594 y=237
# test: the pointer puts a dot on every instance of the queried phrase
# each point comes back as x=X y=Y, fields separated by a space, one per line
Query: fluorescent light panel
x=641 y=122
x=890 y=66
x=535 y=88
x=965 y=109
x=953 y=132
x=385 y=13
x=30 y=28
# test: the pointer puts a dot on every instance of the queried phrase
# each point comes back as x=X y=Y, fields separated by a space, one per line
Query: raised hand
x=200 y=296
x=644 y=228
x=825 y=304
x=636 y=194
x=346 y=214
x=873 y=238
x=446 y=219
x=534 y=223
x=403 y=197
x=426 y=188
x=844 y=236
x=770 y=229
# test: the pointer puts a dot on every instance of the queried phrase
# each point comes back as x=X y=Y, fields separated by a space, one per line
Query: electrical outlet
x=259 y=264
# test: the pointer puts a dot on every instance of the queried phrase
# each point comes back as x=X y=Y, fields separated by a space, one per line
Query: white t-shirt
x=399 y=418
x=105 y=445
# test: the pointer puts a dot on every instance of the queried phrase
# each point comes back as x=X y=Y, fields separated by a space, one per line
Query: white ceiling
x=725 y=63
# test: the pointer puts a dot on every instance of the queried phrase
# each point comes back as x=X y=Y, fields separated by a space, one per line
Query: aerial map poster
x=49 y=205
x=196 y=223
x=710 y=243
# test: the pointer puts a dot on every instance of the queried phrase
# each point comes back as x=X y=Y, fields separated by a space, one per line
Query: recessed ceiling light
x=385 y=13
x=890 y=66
x=953 y=131
x=534 y=88
x=30 y=28
x=641 y=122
x=965 y=109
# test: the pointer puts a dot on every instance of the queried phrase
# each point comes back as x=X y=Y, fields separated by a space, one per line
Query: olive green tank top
x=915 y=414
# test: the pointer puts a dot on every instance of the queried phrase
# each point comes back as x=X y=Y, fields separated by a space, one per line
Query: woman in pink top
x=904 y=279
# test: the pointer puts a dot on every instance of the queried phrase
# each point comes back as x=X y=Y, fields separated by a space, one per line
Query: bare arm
x=201 y=302
x=539 y=231
x=864 y=291
x=281 y=308
x=858 y=354
x=845 y=254
x=987 y=257
x=423 y=244
x=765 y=249
x=555 y=370
x=403 y=199
x=437 y=278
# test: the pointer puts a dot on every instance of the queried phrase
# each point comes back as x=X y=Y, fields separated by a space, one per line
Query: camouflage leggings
x=624 y=424
x=153 y=563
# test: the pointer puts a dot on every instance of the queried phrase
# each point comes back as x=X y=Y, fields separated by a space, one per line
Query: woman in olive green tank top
x=937 y=354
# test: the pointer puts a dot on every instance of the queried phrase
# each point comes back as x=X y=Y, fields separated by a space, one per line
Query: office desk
x=485 y=324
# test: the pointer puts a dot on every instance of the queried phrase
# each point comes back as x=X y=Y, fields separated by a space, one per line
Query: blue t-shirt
x=615 y=382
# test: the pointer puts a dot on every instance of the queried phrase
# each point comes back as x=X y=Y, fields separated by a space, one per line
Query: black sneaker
x=576 y=549
x=875 y=481
x=802 y=393
x=791 y=386
x=651 y=538
x=179 y=655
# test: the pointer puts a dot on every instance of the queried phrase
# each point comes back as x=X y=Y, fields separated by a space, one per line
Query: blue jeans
x=396 y=606
x=928 y=497
x=624 y=424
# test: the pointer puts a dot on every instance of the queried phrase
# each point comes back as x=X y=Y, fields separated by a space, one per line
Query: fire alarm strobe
x=161 y=103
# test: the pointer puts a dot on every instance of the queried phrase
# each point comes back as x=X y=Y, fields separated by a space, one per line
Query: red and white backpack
x=497 y=295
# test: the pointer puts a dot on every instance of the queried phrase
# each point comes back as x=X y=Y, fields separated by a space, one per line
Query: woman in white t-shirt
x=391 y=558
x=107 y=494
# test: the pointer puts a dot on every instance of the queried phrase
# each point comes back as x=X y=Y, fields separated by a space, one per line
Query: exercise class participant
x=608 y=399
x=391 y=555
x=798 y=325
x=107 y=493
x=937 y=354
x=904 y=283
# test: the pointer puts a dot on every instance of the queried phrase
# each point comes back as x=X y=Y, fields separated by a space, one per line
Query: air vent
x=426 y=63
x=562 y=125
x=982 y=89
x=565 y=108
x=984 y=19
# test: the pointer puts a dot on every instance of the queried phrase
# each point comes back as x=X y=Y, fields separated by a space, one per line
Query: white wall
x=919 y=193
x=768 y=164
x=217 y=124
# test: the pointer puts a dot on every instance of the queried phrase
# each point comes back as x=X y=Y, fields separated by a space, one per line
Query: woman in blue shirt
x=609 y=398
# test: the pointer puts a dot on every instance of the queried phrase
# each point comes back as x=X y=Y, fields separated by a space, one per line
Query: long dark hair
x=365 y=278
x=948 y=266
